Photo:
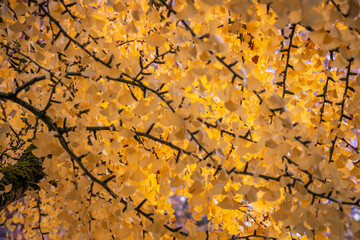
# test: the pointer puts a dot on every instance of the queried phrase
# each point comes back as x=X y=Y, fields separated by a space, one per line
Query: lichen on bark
x=23 y=175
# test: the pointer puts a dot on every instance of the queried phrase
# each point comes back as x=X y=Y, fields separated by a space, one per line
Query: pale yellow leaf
x=155 y=39
x=253 y=83
x=231 y=106
x=137 y=176
x=8 y=188
x=229 y=203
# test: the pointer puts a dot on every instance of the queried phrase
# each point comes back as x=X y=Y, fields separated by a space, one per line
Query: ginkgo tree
x=249 y=109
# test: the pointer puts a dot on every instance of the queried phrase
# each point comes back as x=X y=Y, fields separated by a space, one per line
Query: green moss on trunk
x=25 y=174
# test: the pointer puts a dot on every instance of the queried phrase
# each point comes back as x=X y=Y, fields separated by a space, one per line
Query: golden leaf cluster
x=247 y=108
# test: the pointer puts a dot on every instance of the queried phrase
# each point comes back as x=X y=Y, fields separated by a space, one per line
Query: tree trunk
x=22 y=176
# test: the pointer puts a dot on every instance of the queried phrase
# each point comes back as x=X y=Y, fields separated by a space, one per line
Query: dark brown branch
x=283 y=82
x=47 y=120
x=342 y=104
x=82 y=46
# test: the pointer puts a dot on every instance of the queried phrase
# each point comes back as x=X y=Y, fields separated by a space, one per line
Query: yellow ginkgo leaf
x=229 y=203
x=231 y=106
x=155 y=39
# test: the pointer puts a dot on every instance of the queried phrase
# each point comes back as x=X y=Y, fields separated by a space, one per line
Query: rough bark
x=23 y=175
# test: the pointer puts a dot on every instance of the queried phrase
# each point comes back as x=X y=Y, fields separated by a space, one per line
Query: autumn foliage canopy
x=248 y=109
